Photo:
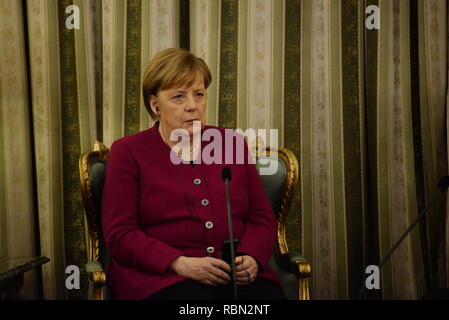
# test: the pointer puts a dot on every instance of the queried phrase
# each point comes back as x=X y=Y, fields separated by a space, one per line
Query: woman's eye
x=199 y=94
x=178 y=97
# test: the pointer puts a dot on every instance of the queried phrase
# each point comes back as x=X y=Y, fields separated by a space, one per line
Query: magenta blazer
x=154 y=211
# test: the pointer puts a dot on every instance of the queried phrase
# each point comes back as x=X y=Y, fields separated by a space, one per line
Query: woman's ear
x=153 y=104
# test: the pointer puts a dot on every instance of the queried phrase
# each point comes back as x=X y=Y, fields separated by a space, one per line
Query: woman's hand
x=206 y=270
x=246 y=269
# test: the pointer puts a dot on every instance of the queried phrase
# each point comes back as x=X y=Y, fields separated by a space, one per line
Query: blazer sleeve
x=258 y=239
x=125 y=241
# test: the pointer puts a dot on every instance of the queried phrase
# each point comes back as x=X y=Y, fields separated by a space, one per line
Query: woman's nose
x=190 y=103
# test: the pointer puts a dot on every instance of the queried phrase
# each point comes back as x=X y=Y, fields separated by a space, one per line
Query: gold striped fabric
x=45 y=103
x=133 y=32
x=17 y=227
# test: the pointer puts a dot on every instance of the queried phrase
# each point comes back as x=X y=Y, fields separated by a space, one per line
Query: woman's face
x=179 y=107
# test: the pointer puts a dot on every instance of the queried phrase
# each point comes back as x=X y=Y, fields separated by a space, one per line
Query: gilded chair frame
x=303 y=267
x=97 y=275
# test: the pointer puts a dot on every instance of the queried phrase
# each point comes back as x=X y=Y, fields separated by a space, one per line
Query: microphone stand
x=442 y=185
x=227 y=177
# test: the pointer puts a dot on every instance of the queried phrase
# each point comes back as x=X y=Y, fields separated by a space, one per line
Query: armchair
x=292 y=269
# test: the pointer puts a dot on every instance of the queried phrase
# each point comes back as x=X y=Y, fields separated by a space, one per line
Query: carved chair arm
x=96 y=274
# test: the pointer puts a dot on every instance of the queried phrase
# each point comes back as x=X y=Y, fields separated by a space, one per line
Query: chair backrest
x=92 y=173
x=279 y=188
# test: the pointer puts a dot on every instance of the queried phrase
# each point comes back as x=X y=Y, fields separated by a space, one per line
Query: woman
x=164 y=223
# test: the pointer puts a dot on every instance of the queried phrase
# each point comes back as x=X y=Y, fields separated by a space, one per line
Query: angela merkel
x=164 y=222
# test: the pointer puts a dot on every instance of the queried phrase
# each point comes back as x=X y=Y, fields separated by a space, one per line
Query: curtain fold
x=17 y=225
x=432 y=21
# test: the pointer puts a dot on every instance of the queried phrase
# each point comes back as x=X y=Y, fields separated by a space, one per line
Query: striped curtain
x=17 y=232
x=406 y=139
x=63 y=120
x=363 y=110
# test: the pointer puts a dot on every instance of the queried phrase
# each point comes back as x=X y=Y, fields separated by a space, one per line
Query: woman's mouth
x=191 y=121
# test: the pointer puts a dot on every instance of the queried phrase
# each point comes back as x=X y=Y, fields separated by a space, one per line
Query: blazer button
x=204 y=202
x=197 y=181
x=209 y=224
x=210 y=249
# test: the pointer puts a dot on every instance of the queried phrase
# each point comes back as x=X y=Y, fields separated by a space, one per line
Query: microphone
x=226 y=176
x=442 y=185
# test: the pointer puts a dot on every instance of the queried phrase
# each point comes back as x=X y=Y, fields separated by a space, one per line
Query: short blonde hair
x=172 y=68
